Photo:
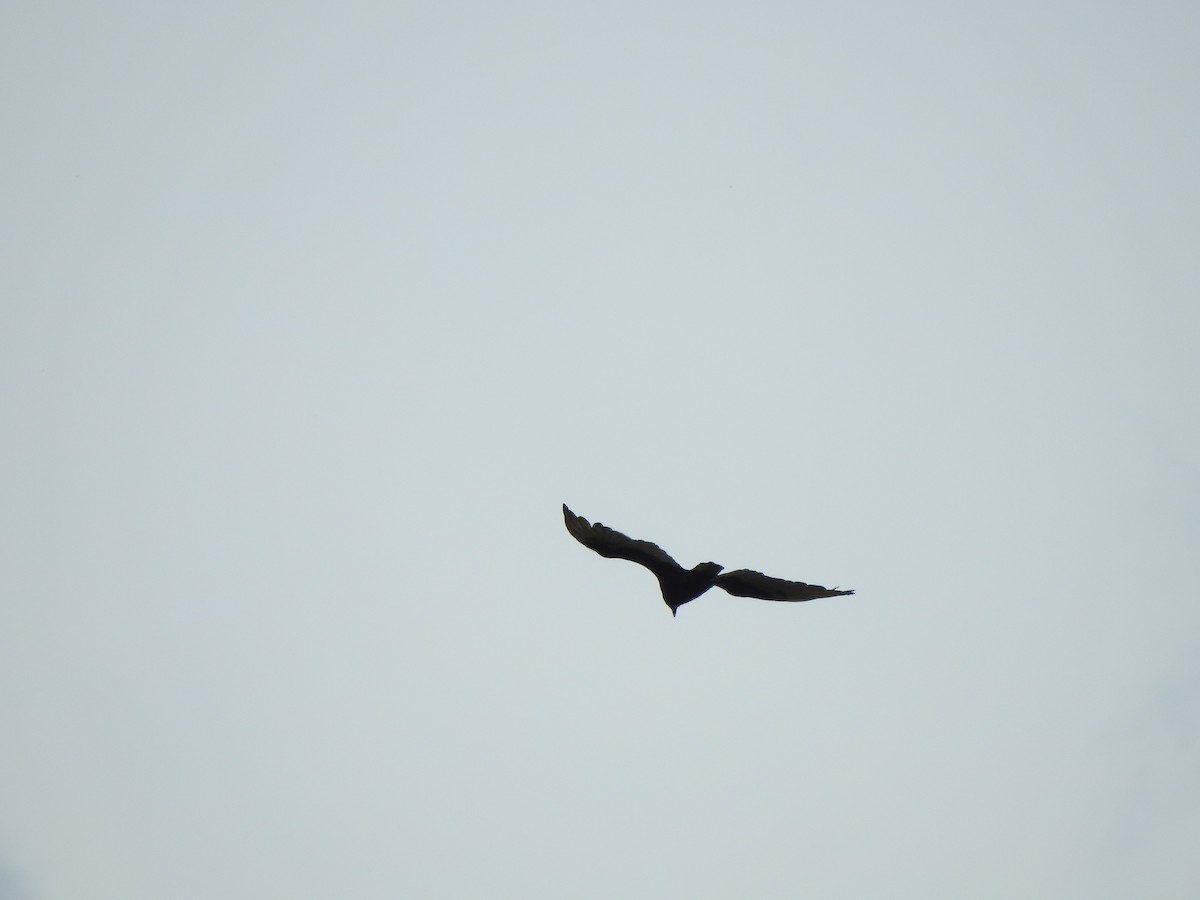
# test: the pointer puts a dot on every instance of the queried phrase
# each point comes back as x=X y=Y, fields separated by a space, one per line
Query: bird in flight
x=680 y=585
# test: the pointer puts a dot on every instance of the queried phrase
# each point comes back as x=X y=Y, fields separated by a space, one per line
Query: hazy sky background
x=314 y=314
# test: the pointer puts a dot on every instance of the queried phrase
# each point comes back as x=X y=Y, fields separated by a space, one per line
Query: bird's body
x=680 y=585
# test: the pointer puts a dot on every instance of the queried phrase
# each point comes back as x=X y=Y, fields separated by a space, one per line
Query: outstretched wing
x=613 y=544
x=748 y=583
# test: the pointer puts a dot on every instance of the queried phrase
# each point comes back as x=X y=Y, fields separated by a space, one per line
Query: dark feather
x=613 y=544
x=748 y=583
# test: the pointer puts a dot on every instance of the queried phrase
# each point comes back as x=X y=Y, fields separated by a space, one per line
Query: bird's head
x=684 y=586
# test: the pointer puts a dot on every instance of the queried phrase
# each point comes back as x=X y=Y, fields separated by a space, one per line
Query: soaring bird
x=680 y=585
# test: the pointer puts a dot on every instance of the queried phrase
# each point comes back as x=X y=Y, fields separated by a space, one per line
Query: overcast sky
x=312 y=315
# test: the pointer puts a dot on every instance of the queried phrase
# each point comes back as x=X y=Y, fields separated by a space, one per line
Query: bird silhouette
x=680 y=585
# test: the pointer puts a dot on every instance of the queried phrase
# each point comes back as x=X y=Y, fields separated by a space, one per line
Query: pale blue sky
x=313 y=315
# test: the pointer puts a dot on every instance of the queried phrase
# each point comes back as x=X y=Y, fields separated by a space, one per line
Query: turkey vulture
x=680 y=585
